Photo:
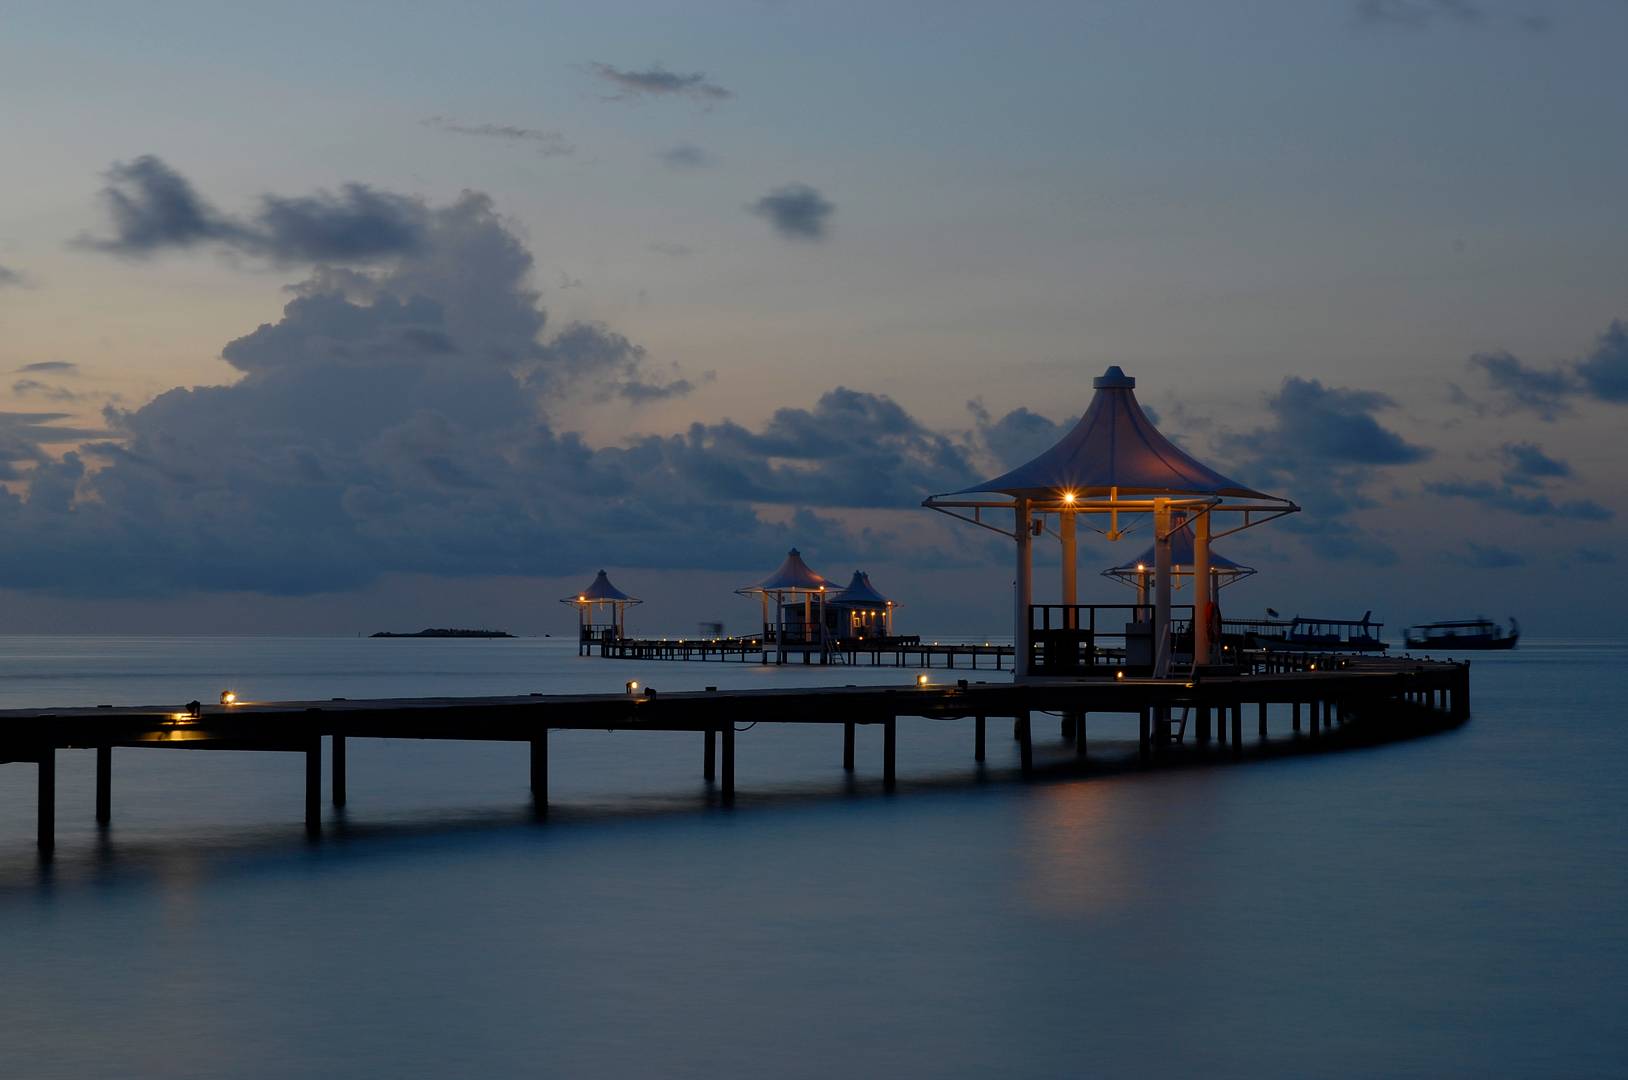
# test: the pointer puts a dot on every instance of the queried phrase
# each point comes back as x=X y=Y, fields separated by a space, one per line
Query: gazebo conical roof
x=603 y=591
x=1114 y=447
x=1181 y=560
x=859 y=592
x=793 y=576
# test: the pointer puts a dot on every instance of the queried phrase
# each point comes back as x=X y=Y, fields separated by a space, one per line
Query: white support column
x=1161 y=584
x=1024 y=592
x=1203 y=591
x=1065 y=527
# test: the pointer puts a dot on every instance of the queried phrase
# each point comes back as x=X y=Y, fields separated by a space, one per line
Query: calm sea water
x=1448 y=906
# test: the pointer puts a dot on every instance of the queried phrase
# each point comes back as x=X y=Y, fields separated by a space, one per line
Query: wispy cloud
x=10 y=278
x=657 y=81
x=1504 y=497
x=1548 y=392
x=546 y=143
x=796 y=211
x=35 y=388
x=1424 y=14
x=50 y=367
x=686 y=156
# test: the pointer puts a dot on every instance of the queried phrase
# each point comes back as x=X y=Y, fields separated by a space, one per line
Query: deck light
x=921 y=680
x=228 y=697
x=1068 y=497
x=1119 y=674
x=633 y=686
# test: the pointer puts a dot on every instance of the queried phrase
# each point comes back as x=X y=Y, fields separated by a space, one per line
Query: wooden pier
x=1389 y=697
x=910 y=652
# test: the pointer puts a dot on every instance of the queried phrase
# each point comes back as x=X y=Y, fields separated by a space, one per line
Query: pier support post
x=710 y=753
x=1316 y=717
x=1025 y=745
x=1237 y=728
x=313 y=785
x=848 y=745
x=1079 y=735
x=1263 y=720
x=1144 y=735
x=46 y=833
x=104 y=784
x=539 y=769
x=890 y=740
x=1296 y=716
x=728 y=762
x=338 y=770
x=978 y=740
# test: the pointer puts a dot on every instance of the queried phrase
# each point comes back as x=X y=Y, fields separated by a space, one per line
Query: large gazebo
x=1114 y=464
x=861 y=610
x=791 y=582
x=599 y=600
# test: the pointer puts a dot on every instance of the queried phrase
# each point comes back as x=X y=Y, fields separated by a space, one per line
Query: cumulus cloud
x=1507 y=498
x=546 y=143
x=1604 y=371
x=154 y=208
x=796 y=211
x=685 y=156
x=411 y=416
x=657 y=81
x=1017 y=437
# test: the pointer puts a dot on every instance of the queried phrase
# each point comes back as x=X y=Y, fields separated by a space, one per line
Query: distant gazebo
x=1113 y=462
x=793 y=621
x=601 y=612
x=860 y=611
x=1138 y=572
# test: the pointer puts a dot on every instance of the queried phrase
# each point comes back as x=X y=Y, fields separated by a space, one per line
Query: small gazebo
x=1138 y=572
x=792 y=621
x=1113 y=462
x=601 y=612
x=861 y=611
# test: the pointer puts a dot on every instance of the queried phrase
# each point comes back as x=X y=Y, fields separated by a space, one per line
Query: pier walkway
x=1395 y=696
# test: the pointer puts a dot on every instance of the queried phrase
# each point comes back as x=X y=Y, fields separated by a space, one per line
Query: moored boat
x=1462 y=634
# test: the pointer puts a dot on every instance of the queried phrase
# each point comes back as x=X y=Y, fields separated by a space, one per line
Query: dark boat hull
x=1466 y=643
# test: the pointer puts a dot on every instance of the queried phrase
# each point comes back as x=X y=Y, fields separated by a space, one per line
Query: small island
x=448 y=633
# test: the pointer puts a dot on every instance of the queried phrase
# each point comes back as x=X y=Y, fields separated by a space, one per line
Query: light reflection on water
x=1445 y=906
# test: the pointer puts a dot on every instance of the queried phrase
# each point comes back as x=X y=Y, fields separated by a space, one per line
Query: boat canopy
x=793 y=576
x=1181 y=561
x=1114 y=449
x=601 y=591
x=860 y=593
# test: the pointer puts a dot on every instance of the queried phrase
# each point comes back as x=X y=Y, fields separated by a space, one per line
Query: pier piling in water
x=104 y=784
x=338 y=769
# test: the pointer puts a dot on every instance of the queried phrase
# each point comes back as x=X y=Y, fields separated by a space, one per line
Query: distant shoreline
x=447 y=633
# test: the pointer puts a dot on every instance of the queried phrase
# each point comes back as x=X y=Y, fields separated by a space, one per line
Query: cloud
x=154 y=208
x=1489 y=557
x=1597 y=556
x=28 y=387
x=1423 y=14
x=1017 y=437
x=546 y=143
x=1526 y=389
x=1325 y=425
x=412 y=417
x=1601 y=375
x=1528 y=465
x=50 y=367
x=10 y=278
x=1604 y=372
x=686 y=156
x=673 y=251
x=1527 y=505
x=796 y=211
x=657 y=81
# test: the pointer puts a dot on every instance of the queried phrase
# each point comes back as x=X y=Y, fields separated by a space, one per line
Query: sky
x=333 y=318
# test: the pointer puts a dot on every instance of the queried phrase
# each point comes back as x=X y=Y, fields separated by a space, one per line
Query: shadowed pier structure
x=1391 y=697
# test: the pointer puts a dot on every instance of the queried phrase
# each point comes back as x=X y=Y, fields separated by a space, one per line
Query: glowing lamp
x=633 y=686
x=921 y=680
x=1119 y=674
x=1068 y=497
x=228 y=697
